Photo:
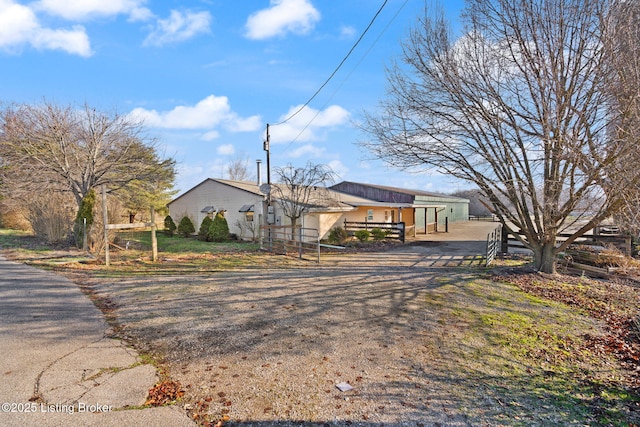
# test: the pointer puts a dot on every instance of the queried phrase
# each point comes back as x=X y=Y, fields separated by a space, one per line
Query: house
x=351 y=208
x=421 y=211
x=245 y=208
x=241 y=202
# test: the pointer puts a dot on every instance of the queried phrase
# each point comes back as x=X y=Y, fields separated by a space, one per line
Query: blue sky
x=208 y=75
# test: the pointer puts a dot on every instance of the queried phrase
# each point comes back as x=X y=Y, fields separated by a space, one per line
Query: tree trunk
x=294 y=222
x=545 y=258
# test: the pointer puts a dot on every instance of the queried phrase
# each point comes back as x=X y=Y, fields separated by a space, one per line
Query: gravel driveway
x=261 y=346
x=272 y=345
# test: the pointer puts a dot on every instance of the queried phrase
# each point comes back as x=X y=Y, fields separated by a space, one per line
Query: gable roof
x=409 y=191
x=250 y=187
x=387 y=194
x=340 y=196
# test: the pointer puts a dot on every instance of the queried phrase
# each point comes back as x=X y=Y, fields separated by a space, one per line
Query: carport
x=425 y=218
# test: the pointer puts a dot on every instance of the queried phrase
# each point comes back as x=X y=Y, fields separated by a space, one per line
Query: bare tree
x=520 y=106
x=238 y=169
x=625 y=67
x=74 y=150
x=301 y=189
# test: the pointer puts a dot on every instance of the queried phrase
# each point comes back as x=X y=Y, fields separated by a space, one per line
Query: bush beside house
x=205 y=225
x=338 y=236
x=362 y=235
x=186 y=228
x=219 y=229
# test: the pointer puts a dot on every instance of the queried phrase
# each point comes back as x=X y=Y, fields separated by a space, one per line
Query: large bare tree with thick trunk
x=625 y=89
x=521 y=105
x=74 y=150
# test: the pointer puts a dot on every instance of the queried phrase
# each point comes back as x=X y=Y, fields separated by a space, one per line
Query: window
x=370 y=215
x=248 y=212
x=209 y=210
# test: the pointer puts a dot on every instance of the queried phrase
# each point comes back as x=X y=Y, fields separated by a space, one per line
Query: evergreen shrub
x=362 y=235
x=203 y=233
x=219 y=229
x=169 y=226
x=186 y=228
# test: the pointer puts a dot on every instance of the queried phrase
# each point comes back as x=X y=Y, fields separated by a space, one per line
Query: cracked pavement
x=58 y=368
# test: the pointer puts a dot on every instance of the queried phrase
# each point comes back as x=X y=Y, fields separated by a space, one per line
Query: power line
x=346 y=78
x=337 y=68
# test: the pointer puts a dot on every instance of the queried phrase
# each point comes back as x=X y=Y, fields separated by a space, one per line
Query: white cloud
x=304 y=126
x=226 y=149
x=338 y=168
x=208 y=114
x=347 y=31
x=16 y=23
x=79 y=10
x=296 y=16
x=210 y=136
x=19 y=26
x=332 y=116
x=189 y=170
x=308 y=151
x=140 y=14
x=73 y=41
x=179 y=26
x=249 y=124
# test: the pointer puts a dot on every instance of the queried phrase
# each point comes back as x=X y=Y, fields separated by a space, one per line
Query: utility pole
x=266 y=148
x=267 y=216
x=105 y=221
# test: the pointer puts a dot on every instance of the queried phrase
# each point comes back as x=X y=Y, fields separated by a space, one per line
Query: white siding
x=229 y=197
x=221 y=197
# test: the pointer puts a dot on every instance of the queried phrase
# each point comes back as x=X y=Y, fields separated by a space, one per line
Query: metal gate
x=286 y=240
x=494 y=241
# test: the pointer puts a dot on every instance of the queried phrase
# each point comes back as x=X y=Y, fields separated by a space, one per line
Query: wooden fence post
x=154 y=240
x=504 y=247
x=105 y=221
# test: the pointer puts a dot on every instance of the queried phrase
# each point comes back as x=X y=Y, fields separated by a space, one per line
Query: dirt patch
x=420 y=343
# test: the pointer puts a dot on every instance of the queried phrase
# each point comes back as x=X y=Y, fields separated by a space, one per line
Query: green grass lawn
x=531 y=353
x=132 y=255
x=19 y=240
x=177 y=244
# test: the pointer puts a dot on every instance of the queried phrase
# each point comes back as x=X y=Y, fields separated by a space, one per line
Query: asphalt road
x=57 y=366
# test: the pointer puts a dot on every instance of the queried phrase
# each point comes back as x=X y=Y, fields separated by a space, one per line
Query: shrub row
x=339 y=235
x=211 y=230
